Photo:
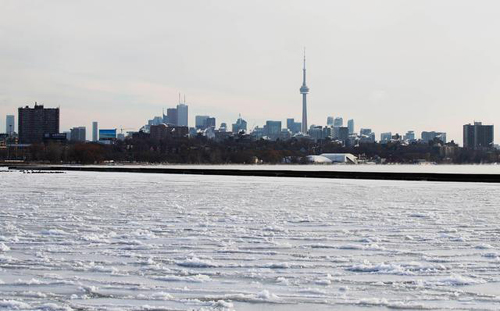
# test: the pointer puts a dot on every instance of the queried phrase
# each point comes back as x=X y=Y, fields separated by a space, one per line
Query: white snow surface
x=128 y=241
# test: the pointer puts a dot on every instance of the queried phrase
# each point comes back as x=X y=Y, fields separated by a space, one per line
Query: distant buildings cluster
x=39 y=124
x=175 y=117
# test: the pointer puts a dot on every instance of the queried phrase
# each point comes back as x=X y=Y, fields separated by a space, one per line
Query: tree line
x=240 y=150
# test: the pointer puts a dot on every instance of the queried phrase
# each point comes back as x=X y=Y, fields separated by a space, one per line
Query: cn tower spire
x=304 y=90
x=304 y=69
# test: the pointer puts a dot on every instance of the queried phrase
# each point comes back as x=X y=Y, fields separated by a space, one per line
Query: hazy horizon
x=389 y=65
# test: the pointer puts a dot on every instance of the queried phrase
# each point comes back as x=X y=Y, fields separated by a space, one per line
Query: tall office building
x=272 y=129
x=365 y=132
x=293 y=126
x=210 y=122
x=329 y=121
x=171 y=116
x=204 y=122
x=316 y=132
x=35 y=123
x=366 y=136
x=343 y=133
x=478 y=136
x=385 y=137
x=304 y=90
x=350 y=126
x=338 y=122
x=78 y=134
x=430 y=136
x=200 y=122
x=409 y=136
x=240 y=125
x=95 y=131
x=182 y=114
x=10 y=125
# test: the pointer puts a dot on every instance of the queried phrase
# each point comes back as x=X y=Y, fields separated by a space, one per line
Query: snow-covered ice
x=126 y=241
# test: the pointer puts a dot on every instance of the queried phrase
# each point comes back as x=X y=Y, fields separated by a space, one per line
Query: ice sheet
x=124 y=241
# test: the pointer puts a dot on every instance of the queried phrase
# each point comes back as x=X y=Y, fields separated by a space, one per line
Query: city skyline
x=431 y=74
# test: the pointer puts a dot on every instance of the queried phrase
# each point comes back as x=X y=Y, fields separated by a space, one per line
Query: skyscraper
x=304 y=90
x=172 y=116
x=366 y=136
x=182 y=114
x=343 y=133
x=35 y=123
x=272 y=129
x=338 y=122
x=204 y=122
x=200 y=122
x=329 y=121
x=293 y=126
x=210 y=122
x=9 y=125
x=95 y=131
x=350 y=125
x=240 y=125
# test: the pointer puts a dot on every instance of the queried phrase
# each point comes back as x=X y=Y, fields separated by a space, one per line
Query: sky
x=391 y=65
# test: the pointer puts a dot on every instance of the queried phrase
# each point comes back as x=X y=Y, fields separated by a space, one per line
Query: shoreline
x=330 y=174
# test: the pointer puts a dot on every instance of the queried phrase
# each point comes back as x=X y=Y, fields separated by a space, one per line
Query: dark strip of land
x=444 y=177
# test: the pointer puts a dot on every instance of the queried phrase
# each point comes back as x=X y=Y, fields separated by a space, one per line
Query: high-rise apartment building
x=478 y=136
x=10 y=125
x=36 y=122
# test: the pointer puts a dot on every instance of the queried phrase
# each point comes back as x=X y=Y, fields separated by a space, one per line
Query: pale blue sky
x=390 y=65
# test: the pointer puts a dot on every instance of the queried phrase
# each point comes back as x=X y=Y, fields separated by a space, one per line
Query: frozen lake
x=122 y=241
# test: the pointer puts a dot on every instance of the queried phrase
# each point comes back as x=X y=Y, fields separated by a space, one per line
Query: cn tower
x=304 y=90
